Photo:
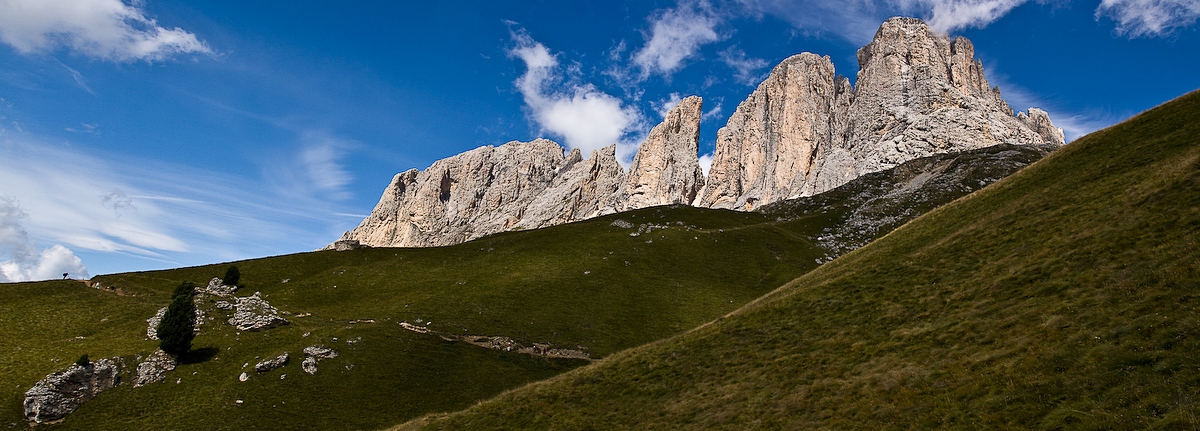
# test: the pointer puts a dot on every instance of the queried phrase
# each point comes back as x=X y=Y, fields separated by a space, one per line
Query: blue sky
x=161 y=133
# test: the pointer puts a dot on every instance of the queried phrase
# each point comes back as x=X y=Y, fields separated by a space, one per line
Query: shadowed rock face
x=804 y=130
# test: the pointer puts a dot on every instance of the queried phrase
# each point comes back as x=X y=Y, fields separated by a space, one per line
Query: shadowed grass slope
x=1066 y=296
x=590 y=284
x=601 y=285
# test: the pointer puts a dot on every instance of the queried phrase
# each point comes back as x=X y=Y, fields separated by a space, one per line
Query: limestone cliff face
x=805 y=130
x=773 y=144
x=527 y=185
x=666 y=169
x=460 y=198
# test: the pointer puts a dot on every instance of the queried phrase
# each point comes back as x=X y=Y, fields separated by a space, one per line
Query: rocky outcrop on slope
x=803 y=131
x=528 y=185
x=806 y=130
x=61 y=393
x=313 y=354
x=154 y=368
x=217 y=287
x=252 y=313
x=272 y=363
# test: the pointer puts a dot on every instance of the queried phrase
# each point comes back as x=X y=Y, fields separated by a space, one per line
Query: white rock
x=154 y=368
x=61 y=393
x=271 y=364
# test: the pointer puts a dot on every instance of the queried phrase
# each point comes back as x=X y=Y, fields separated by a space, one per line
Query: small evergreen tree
x=232 y=276
x=83 y=361
x=176 y=330
x=186 y=288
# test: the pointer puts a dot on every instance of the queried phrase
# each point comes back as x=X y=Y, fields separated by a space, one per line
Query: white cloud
x=746 y=70
x=24 y=262
x=582 y=115
x=14 y=241
x=662 y=107
x=712 y=113
x=1137 y=18
x=321 y=161
x=706 y=163
x=857 y=20
x=676 y=35
x=161 y=214
x=1074 y=124
x=950 y=15
x=852 y=20
x=104 y=29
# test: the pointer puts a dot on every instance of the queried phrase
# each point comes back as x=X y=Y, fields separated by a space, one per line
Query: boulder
x=320 y=352
x=309 y=365
x=271 y=364
x=62 y=392
x=217 y=287
x=154 y=368
x=312 y=354
x=252 y=313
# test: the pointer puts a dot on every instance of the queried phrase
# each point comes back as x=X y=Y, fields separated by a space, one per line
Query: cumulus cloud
x=950 y=15
x=1138 y=18
x=706 y=162
x=24 y=262
x=582 y=115
x=103 y=29
x=675 y=35
x=746 y=70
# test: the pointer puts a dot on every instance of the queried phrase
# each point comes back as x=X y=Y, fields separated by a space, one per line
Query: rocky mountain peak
x=666 y=169
x=803 y=131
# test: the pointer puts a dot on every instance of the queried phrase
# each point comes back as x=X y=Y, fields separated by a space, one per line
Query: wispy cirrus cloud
x=856 y=20
x=1075 y=124
x=1149 y=18
x=104 y=29
x=746 y=70
x=163 y=213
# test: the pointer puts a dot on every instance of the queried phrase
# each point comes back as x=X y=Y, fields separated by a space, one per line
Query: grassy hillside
x=1066 y=296
x=601 y=285
x=589 y=285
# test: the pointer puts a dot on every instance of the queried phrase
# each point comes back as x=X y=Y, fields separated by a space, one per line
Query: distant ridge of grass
x=1066 y=296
